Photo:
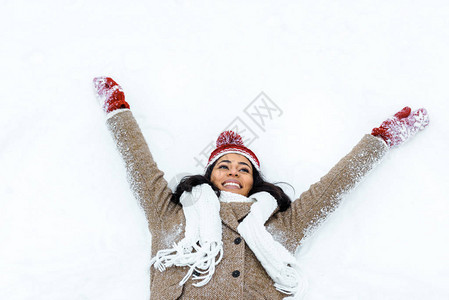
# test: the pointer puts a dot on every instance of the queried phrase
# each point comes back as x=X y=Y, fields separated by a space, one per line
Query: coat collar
x=231 y=213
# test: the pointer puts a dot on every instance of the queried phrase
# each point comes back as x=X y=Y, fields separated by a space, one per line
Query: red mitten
x=110 y=94
x=403 y=125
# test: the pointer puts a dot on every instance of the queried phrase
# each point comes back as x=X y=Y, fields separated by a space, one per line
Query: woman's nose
x=233 y=172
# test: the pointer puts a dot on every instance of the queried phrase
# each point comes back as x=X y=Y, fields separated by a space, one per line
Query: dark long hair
x=259 y=185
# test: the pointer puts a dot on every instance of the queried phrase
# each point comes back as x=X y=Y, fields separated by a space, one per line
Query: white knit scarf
x=201 y=249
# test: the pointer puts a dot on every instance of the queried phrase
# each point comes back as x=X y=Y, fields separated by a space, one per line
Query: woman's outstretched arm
x=145 y=178
x=312 y=207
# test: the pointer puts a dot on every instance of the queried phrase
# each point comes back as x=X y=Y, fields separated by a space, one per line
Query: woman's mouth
x=232 y=184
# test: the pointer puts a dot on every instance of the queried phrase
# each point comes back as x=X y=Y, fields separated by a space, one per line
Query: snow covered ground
x=70 y=227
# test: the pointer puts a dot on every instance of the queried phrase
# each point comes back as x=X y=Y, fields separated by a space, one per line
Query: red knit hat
x=231 y=142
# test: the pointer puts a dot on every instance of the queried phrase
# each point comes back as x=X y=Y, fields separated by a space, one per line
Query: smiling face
x=233 y=173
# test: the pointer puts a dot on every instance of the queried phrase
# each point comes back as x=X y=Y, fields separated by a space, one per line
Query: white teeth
x=232 y=183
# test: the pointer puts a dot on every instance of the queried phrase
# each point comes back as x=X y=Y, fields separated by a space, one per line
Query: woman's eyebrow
x=224 y=160
x=243 y=163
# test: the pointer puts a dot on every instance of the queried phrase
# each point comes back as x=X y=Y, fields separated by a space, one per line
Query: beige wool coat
x=239 y=275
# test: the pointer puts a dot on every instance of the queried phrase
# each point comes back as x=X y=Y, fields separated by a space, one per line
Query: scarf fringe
x=205 y=263
x=288 y=283
x=175 y=256
x=200 y=259
x=294 y=282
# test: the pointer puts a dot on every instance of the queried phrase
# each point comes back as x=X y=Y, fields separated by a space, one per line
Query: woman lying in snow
x=228 y=234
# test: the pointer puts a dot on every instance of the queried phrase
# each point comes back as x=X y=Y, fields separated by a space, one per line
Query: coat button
x=237 y=240
x=236 y=273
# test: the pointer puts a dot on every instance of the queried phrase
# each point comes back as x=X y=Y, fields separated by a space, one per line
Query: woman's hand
x=110 y=94
x=403 y=125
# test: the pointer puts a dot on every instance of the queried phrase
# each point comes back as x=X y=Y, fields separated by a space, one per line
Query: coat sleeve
x=145 y=178
x=313 y=205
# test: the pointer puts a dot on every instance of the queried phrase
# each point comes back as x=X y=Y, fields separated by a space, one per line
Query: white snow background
x=69 y=225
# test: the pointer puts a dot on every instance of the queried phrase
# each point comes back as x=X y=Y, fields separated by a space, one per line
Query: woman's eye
x=245 y=170
x=223 y=167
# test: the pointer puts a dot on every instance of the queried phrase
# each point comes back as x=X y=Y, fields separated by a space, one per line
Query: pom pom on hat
x=231 y=142
x=229 y=138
